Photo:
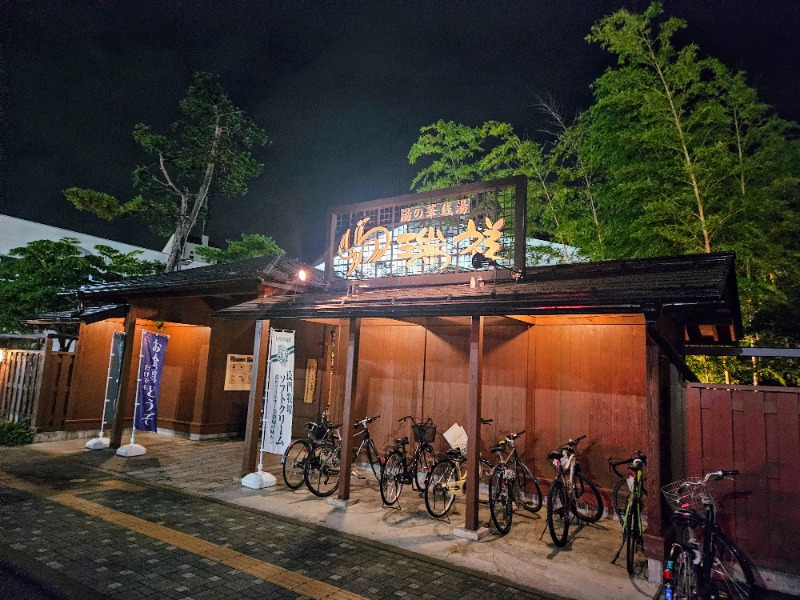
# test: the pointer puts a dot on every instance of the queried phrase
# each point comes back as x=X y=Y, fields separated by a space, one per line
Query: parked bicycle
x=628 y=499
x=703 y=563
x=293 y=461
x=397 y=470
x=323 y=466
x=571 y=492
x=511 y=482
x=448 y=479
x=367 y=448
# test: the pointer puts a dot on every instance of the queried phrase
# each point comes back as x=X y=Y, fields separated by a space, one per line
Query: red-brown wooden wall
x=755 y=430
x=557 y=378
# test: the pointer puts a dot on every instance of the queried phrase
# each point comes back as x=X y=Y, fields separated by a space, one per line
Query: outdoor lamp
x=302 y=275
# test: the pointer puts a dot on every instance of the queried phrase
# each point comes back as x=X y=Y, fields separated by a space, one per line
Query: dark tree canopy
x=206 y=152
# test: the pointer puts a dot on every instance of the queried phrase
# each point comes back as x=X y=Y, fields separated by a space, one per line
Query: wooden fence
x=20 y=378
x=755 y=430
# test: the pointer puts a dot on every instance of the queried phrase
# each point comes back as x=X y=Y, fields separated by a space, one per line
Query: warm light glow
x=302 y=275
x=2 y=355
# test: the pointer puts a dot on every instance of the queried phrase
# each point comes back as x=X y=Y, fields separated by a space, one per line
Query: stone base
x=98 y=443
x=259 y=480
x=341 y=504
x=130 y=450
x=470 y=534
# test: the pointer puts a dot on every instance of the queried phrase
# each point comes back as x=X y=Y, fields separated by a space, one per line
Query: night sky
x=341 y=88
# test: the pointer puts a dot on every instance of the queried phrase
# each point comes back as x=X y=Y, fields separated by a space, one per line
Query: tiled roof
x=701 y=286
x=226 y=278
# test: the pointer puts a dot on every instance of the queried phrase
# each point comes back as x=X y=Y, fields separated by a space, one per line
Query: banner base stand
x=131 y=450
x=98 y=443
x=259 y=480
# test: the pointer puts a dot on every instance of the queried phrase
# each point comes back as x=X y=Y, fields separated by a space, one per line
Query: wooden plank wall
x=560 y=378
x=755 y=430
x=92 y=353
x=586 y=376
x=20 y=377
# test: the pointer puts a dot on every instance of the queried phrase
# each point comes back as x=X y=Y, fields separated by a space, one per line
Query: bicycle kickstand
x=619 y=551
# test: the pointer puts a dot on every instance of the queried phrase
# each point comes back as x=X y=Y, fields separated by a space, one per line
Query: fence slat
x=20 y=383
x=758 y=432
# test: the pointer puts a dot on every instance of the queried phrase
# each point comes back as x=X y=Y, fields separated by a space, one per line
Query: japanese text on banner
x=151 y=365
x=280 y=392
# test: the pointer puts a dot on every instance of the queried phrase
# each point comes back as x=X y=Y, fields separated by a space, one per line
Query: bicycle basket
x=687 y=493
x=424 y=433
x=315 y=431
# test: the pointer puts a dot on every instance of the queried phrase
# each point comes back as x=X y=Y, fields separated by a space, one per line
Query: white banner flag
x=277 y=426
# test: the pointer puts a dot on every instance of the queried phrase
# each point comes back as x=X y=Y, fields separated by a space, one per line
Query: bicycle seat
x=496 y=448
x=401 y=441
x=554 y=455
x=453 y=453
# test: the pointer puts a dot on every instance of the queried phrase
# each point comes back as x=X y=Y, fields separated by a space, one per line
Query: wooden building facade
x=561 y=351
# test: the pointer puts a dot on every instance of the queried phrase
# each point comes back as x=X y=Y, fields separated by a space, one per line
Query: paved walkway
x=176 y=523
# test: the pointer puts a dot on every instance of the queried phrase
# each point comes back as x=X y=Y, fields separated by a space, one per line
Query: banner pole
x=133 y=449
x=98 y=442
x=264 y=408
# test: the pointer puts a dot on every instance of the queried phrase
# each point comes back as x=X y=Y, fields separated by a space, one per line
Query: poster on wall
x=151 y=366
x=280 y=392
x=238 y=372
x=311 y=380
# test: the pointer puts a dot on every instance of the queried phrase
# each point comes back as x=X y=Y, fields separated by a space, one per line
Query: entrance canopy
x=698 y=292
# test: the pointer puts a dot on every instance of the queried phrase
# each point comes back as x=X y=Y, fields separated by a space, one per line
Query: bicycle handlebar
x=365 y=421
x=512 y=436
x=487 y=421
x=637 y=456
x=720 y=474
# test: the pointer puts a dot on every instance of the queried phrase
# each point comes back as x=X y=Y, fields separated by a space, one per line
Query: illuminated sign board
x=430 y=233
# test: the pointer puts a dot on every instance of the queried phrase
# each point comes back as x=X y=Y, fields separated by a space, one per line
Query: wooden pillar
x=350 y=380
x=255 y=400
x=124 y=400
x=657 y=411
x=474 y=421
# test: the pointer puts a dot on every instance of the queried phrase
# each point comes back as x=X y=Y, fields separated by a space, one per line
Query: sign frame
x=352 y=214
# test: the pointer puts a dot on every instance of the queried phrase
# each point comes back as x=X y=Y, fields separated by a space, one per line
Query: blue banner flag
x=151 y=365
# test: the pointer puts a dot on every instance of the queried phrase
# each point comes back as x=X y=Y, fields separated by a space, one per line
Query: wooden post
x=658 y=451
x=474 y=421
x=350 y=380
x=123 y=390
x=256 y=398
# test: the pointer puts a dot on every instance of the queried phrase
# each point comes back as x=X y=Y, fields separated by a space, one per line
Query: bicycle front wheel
x=633 y=538
x=558 y=502
x=620 y=497
x=392 y=477
x=501 y=499
x=322 y=470
x=439 y=493
x=527 y=492
x=731 y=576
x=423 y=465
x=588 y=505
x=683 y=578
x=294 y=463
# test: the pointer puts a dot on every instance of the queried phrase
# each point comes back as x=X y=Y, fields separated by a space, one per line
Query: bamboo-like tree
x=207 y=151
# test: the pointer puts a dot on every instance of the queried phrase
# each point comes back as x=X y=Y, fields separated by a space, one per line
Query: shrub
x=15 y=434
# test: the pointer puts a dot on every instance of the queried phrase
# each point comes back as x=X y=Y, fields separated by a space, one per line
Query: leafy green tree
x=456 y=150
x=34 y=277
x=249 y=246
x=208 y=151
x=681 y=147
